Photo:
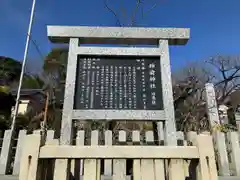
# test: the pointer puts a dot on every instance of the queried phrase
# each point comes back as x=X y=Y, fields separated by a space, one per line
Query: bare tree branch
x=150 y=9
x=113 y=12
x=223 y=71
x=133 y=19
x=139 y=7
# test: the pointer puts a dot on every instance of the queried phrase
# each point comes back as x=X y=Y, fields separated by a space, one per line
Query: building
x=30 y=99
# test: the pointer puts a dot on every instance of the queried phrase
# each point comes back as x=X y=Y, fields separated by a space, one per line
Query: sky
x=214 y=24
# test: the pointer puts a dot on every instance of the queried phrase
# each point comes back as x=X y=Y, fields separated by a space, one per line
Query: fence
x=227 y=151
x=50 y=161
x=10 y=161
x=226 y=147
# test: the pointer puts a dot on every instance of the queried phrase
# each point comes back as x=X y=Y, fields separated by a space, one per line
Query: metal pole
x=23 y=67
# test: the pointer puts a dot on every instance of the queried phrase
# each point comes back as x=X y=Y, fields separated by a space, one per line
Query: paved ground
x=9 y=177
x=5 y=177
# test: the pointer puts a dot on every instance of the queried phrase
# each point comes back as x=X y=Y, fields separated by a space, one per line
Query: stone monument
x=118 y=83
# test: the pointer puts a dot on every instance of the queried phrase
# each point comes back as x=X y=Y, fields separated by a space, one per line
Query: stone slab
x=8 y=177
x=130 y=115
x=118 y=35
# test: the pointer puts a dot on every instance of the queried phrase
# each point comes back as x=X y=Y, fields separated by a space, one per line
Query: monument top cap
x=118 y=35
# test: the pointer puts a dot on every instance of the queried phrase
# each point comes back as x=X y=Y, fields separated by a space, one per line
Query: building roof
x=27 y=92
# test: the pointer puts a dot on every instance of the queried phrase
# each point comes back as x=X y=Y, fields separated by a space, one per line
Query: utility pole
x=23 y=67
x=7 y=154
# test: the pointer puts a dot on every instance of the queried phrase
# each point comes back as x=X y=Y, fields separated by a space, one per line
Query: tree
x=226 y=76
x=5 y=108
x=32 y=82
x=54 y=67
x=189 y=94
x=127 y=15
x=50 y=82
x=10 y=70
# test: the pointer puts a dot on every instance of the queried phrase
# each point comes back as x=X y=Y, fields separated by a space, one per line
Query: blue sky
x=215 y=24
